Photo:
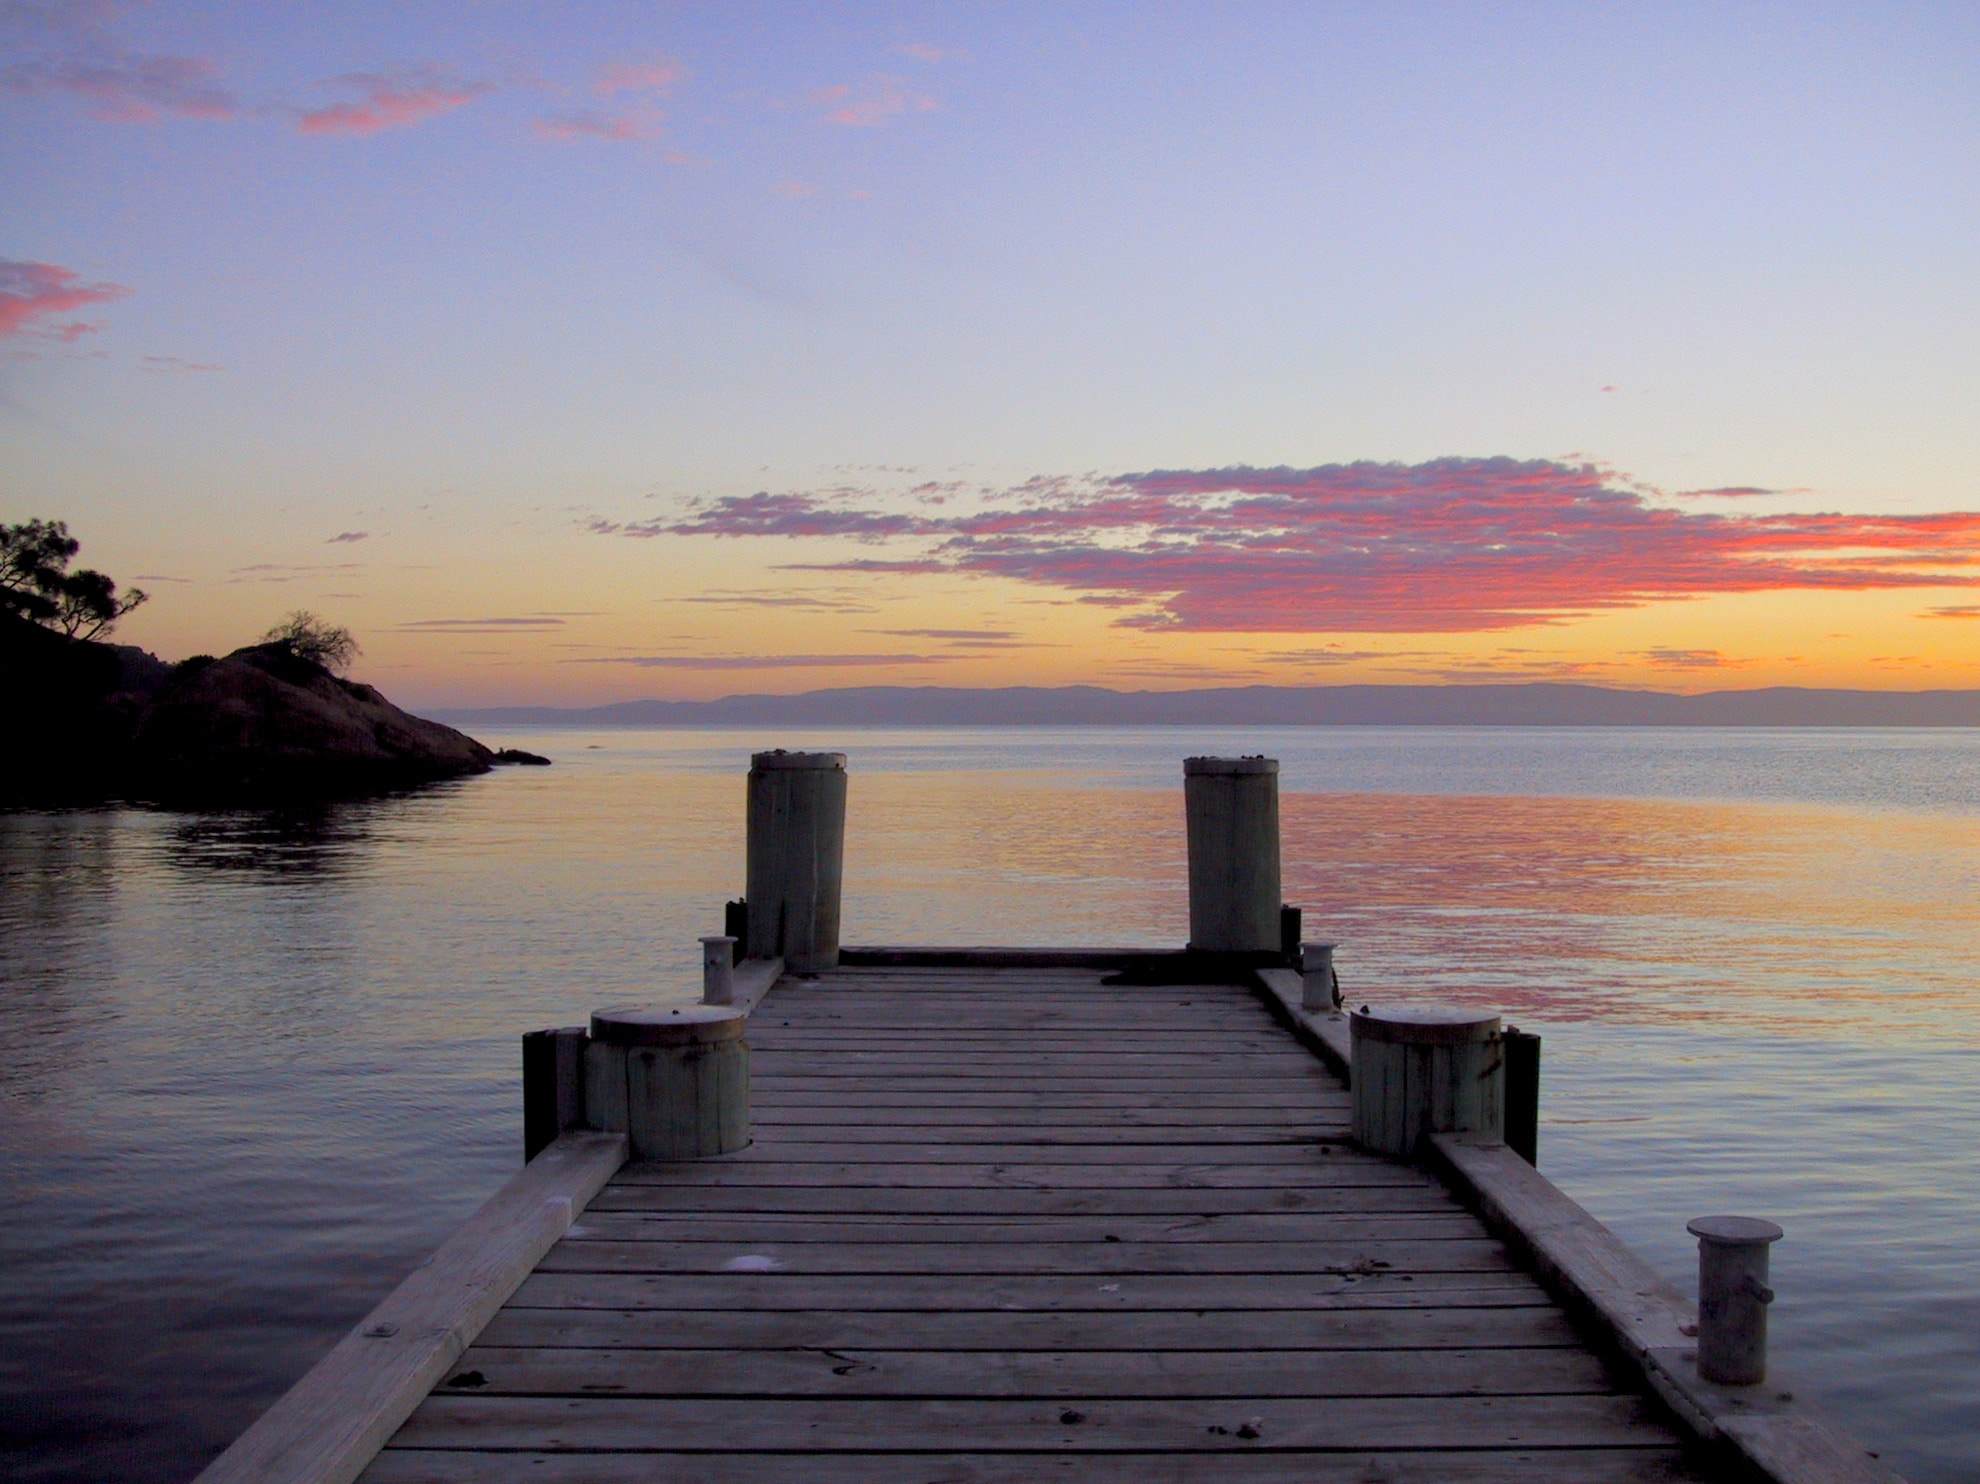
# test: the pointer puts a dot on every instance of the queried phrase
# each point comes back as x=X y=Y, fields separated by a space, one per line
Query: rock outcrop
x=264 y=724
x=72 y=707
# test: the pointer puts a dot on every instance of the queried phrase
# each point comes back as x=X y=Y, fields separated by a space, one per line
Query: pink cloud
x=128 y=89
x=879 y=100
x=1452 y=545
x=922 y=52
x=614 y=128
x=656 y=76
x=35 y=291
x=795 y=190
x=390 y=100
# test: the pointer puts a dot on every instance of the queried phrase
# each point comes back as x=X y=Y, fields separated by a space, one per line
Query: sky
x=579 y=353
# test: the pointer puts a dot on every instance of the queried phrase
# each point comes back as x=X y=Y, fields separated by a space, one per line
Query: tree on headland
x=320 y=642
x=36 y=583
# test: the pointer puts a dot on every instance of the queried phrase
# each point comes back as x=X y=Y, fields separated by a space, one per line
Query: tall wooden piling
x=796 y=857
x=1232 y=807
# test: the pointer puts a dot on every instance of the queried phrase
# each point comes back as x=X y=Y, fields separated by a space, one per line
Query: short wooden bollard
x=675 y=1081
x=796 y=857
x=718 y=969
x=1318 y=990
x=1425 y=1071
x=1732 y=1297
x=1232 y=808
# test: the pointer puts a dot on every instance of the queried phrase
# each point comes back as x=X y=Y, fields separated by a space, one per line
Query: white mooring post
x=1732 y=1297
x=1316 y=975
x=718 y=969
x=1232 y=807
x=675 y=1081
x=796 y=857
x=1425 y=1071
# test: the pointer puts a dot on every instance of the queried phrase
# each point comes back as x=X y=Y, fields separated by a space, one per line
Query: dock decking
x=1006 y=1224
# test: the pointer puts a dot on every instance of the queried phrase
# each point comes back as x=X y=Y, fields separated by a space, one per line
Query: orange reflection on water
x=1555 y=909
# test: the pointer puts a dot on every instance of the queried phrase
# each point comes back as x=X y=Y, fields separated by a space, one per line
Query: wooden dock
x=1004 y=1224
x=1017 y=1214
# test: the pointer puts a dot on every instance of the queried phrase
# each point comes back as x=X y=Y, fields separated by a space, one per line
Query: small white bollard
x=1732 y=1297
x=718 y=969
x=1316 y=974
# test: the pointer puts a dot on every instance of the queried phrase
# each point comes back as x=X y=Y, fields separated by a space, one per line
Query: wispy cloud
x=971 y=636
x=654 y=75
x=1665 y=657
x=628 y=126
x=178 y=364
x=33 y=292
x=1728 y=492
x=131 y=90
x=394 y=99
x=878 y=100
x=530 y=623
x=766 y=661
x=348 y=536
x=921 y=51
x=764 y=514
x=1451 y=545
x=1330 y=654
x=808 y=601
x=1953 y=610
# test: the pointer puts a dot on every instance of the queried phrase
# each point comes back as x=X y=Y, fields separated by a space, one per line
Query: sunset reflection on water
x=253 y=1067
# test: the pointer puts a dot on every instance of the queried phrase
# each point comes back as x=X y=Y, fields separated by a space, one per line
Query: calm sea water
x=253 y=1067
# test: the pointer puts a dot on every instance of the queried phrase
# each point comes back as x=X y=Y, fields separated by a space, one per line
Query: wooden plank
x=1150 y=1114
x=1467 y=1466
x=326 y=1427
x=1283 y=1087
x=754 y=978
x=963 y=1042
x=1202 y=1425
x=1054 y=1055
x=1530 y=1323
x=1477 y=1254
x=1319 y=1227
x=868 y=1201
x=1789 y=1442
x=779 y=1094
x=774 y=1134
x=845 y=1370
x=1009 y=1171
x=960 y=957
x=1302 y=1158
x=1088 y=1293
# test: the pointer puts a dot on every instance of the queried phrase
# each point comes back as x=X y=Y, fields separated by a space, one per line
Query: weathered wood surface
x=331 y=1423
x=1780 y=1438
x=1018 y=1223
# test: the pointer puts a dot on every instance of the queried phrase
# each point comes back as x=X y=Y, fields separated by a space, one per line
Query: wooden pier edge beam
x=1625 y=1301
x=328 y=1426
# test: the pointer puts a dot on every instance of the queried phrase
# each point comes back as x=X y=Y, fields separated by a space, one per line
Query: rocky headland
x=96 y=722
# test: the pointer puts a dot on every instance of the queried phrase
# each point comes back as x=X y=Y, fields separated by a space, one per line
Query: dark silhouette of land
x=1543 y=704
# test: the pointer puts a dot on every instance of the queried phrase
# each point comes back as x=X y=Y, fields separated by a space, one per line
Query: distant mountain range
x=1270 y=705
